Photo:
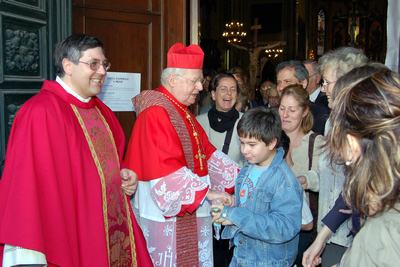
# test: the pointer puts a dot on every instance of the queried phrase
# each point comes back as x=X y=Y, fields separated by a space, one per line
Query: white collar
x=314 y=95
x=70 y=91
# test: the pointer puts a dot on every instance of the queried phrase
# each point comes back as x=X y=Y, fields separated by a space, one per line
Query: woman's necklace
x=200 y=156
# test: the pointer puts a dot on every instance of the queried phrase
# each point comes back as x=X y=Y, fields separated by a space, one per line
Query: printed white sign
x=118 y=90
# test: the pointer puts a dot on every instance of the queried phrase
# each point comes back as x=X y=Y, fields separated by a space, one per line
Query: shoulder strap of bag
x=311 y=142
x=227 y=141
x=313 y=196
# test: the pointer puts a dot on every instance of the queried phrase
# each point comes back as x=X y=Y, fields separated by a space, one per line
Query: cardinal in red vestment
x=179 y=170
x=63 y=192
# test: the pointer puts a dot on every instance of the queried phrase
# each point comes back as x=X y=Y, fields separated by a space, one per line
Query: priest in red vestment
x=63 y=194
x=179 y=170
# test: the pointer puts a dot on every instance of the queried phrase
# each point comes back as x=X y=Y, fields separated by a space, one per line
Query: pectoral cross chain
x=200 y=157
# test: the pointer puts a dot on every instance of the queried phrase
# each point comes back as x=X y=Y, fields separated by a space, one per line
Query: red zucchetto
x=185 y=57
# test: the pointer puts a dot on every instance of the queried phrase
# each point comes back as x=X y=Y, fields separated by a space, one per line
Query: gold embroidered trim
x=128 y=214
x=131 y=236
x=110 y=134
x=101 y=174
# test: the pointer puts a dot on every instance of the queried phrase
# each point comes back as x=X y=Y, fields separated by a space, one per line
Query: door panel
x=29 y=30
x=135 y=34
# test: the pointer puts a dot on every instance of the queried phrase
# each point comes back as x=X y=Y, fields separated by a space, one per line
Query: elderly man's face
x=313 y=78
x=187 y=86
x=329 y=81
x=284 y=78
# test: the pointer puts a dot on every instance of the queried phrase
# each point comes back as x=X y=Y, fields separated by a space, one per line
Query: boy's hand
x=216 y=209
x=223 y=221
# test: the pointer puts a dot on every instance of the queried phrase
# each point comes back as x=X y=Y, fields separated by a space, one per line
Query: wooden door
x=136 y=35
x=29 y=30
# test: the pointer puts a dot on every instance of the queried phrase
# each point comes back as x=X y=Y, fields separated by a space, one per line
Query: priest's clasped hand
x=228 y=200
x=129 y=181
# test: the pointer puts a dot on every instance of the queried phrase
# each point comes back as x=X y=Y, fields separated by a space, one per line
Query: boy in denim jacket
x=264 y=223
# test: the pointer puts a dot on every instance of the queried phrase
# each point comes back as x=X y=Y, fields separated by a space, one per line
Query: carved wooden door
x=29 y=30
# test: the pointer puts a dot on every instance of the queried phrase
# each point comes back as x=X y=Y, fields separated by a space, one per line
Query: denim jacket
x=265 y=230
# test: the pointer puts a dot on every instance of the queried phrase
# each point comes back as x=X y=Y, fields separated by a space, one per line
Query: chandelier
x=234 y=32
x=274 y=53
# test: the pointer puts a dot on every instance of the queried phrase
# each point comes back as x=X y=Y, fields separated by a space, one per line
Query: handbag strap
x=313 y=196
x=311 y=142
x=227 y=142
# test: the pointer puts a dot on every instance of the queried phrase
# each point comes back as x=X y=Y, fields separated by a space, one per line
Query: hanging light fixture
x=234 y=32
x=274 y=53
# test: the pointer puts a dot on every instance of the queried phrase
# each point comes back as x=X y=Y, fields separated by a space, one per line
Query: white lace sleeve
x=21 y=256
x=223 y=171
x=177 y=189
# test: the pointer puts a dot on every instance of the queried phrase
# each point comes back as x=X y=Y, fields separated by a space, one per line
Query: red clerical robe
x=160 y=144
x=60 y=193
x=176 y=165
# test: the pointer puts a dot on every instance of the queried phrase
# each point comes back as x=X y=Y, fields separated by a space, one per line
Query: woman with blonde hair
x=365 y=136
x=297 y=122
x=303 y=156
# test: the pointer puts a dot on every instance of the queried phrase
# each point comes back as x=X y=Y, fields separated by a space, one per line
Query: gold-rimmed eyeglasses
x=326 y=82
x=94 y=65
x=193 y=82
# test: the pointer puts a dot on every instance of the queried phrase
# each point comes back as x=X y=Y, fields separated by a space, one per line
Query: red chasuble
x=60 y=191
